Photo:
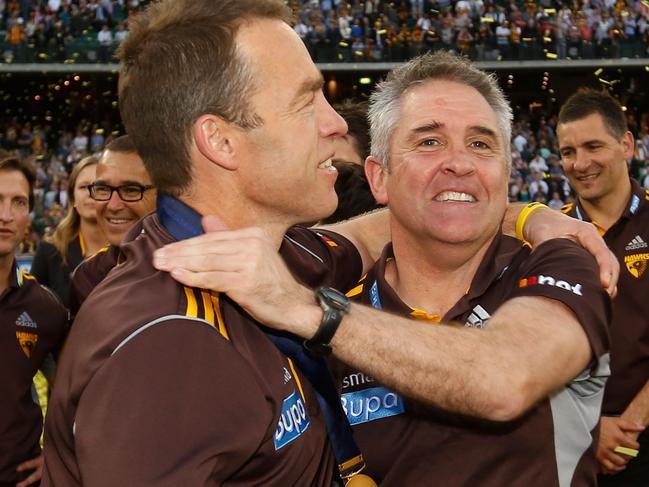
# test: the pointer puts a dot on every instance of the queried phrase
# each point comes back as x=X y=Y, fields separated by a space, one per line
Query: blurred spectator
x=556 y=203
x=76 y=237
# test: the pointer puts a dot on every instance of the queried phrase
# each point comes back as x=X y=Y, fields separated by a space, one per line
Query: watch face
x=334 y=298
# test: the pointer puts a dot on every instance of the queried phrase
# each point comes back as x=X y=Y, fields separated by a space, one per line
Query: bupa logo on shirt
x=371 y=404
x=292 y=422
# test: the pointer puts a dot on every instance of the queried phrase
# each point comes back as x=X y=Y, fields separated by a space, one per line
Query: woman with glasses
x=77 y=236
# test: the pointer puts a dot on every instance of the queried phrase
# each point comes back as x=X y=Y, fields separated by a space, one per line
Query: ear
x=214 y=138
x=377 y=177
x=628 y=145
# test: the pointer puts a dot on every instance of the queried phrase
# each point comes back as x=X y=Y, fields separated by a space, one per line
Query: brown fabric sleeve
x=176 y=405
x=340 y=264
x=570 y=275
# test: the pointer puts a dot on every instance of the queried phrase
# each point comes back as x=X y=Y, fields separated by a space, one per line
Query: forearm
x=491 y=373
x=510 y=218
x=369 y=233
x=446 y=366
x=638 y=410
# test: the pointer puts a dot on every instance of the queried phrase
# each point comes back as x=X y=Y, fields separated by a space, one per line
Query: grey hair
x=385 y=101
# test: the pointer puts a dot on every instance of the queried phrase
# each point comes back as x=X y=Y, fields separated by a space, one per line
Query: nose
x=5 y=212
x=115 y=202
x=331 y=124
x=457 y=162
x=581 y=161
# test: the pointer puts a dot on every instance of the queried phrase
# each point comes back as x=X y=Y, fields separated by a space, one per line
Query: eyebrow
x=434 y=125
x=122 y=183
x=308 y=86
x=481 y=129
x=424 y=129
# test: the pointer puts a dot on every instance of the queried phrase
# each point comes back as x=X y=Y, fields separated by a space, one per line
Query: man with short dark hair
x=595 y=144
x=33 y=324
x=123 y=194
x=164 y=384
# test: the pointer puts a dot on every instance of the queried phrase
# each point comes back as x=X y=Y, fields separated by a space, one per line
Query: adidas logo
x=25 y=320
x=478 y=318
x=636 y=243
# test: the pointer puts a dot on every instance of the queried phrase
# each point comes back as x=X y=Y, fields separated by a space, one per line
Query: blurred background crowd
x=55 y=122
x=75 y=31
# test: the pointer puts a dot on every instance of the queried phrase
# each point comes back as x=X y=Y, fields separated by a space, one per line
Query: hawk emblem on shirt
x=636 y=264
x=27 y=342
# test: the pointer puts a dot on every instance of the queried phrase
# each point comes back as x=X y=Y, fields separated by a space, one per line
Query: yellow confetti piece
x=382 y=31
x=547 y=39
x=550 y=10
x=599 y=71
x=487 y=19
x=632 y=452
x=551 y=55
x=527 y=39
x=604 y=81
x=343 y=44
x=646 y=68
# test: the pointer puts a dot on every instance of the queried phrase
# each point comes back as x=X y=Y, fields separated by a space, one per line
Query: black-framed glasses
x=126 y=192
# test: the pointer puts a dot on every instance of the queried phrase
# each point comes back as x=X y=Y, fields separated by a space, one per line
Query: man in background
x=124 y=194
x=33 y=324
x=595 y=144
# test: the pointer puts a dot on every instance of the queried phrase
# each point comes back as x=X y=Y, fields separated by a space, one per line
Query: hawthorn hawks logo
x=636 y=264
x=27 y=342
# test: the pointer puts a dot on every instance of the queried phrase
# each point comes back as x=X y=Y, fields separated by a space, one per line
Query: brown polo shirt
x=33 y=324
x=161 y=384
x=90 y=273
x=628 y=239
x=551 y=445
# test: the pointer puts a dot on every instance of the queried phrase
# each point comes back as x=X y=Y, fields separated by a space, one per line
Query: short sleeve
x=322 y=258
x=559 y=269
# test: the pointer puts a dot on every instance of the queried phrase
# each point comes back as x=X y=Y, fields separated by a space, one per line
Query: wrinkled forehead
x=446 y=102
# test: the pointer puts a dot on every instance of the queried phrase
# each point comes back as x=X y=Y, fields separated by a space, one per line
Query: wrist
x=305 y=317
x=335 y=305
x=523 y=219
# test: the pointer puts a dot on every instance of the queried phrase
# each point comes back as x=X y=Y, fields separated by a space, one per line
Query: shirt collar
x=181 y=221
x=638 y=195
x=499 y=255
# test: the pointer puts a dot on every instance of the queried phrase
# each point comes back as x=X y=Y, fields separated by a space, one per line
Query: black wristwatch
x=335 y=305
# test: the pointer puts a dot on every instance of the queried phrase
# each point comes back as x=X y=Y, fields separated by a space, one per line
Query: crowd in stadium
x=483 y=30
x=537 y=174
x=199 y=263
x=373 y=30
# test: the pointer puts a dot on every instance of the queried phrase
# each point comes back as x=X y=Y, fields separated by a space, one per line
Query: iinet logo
x=550 y=281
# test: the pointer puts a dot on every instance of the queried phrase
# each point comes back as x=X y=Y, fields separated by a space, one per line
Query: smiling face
x=593 y=158
x=115 y=216
x=285 y=171
x=447 y=175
